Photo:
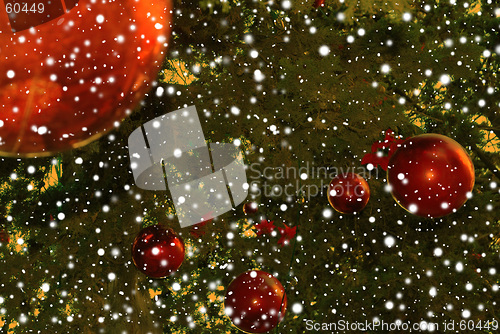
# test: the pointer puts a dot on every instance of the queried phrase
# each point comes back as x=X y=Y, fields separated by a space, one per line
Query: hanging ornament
x=382 y=151
x=348 y=193
x=431 y=175
x=70 y=73
x=255 y=301
x=319 y=3
x=287 y=234
x=250 y=208
x=264 y=227
x=157 y=252
x=4 y=237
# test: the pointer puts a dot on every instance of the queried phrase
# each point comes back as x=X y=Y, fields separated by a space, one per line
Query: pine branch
x=487 y=161
x=418 y=109
x=488 y=128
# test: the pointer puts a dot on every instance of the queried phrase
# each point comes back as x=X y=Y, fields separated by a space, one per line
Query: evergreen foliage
x=300 y=88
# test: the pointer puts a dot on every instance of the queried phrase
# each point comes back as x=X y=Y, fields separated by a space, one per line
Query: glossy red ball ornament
x=255 y=301
x=431 y=175
x=79 y=70
x=250 y=208
x=157 y=251
x=348 y=193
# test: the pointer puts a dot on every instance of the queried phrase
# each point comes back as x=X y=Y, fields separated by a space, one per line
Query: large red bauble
x=157 y=252
x=255 y=301
x=431 y=175
x=65 y=82
x=348 y=193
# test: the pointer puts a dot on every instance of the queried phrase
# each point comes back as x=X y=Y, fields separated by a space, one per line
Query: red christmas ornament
x=4 y=237
x=250 y=208
x=75 y=74
x=157 y=252
x=377 y=157
x=264 y=227
x=287 y=234
x=431 y=175
x=255 y=301
x=319 y=3
x=348 y=193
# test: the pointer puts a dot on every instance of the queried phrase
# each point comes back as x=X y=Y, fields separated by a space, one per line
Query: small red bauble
x=348 y=193
x=75 y=74
x=250 y=208
x=4 y=237
x=319 y=3
x=157 y=252
x=255 y=301
x=431 y=175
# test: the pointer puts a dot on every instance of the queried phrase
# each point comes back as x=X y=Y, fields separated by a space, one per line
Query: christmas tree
x=305 y=89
